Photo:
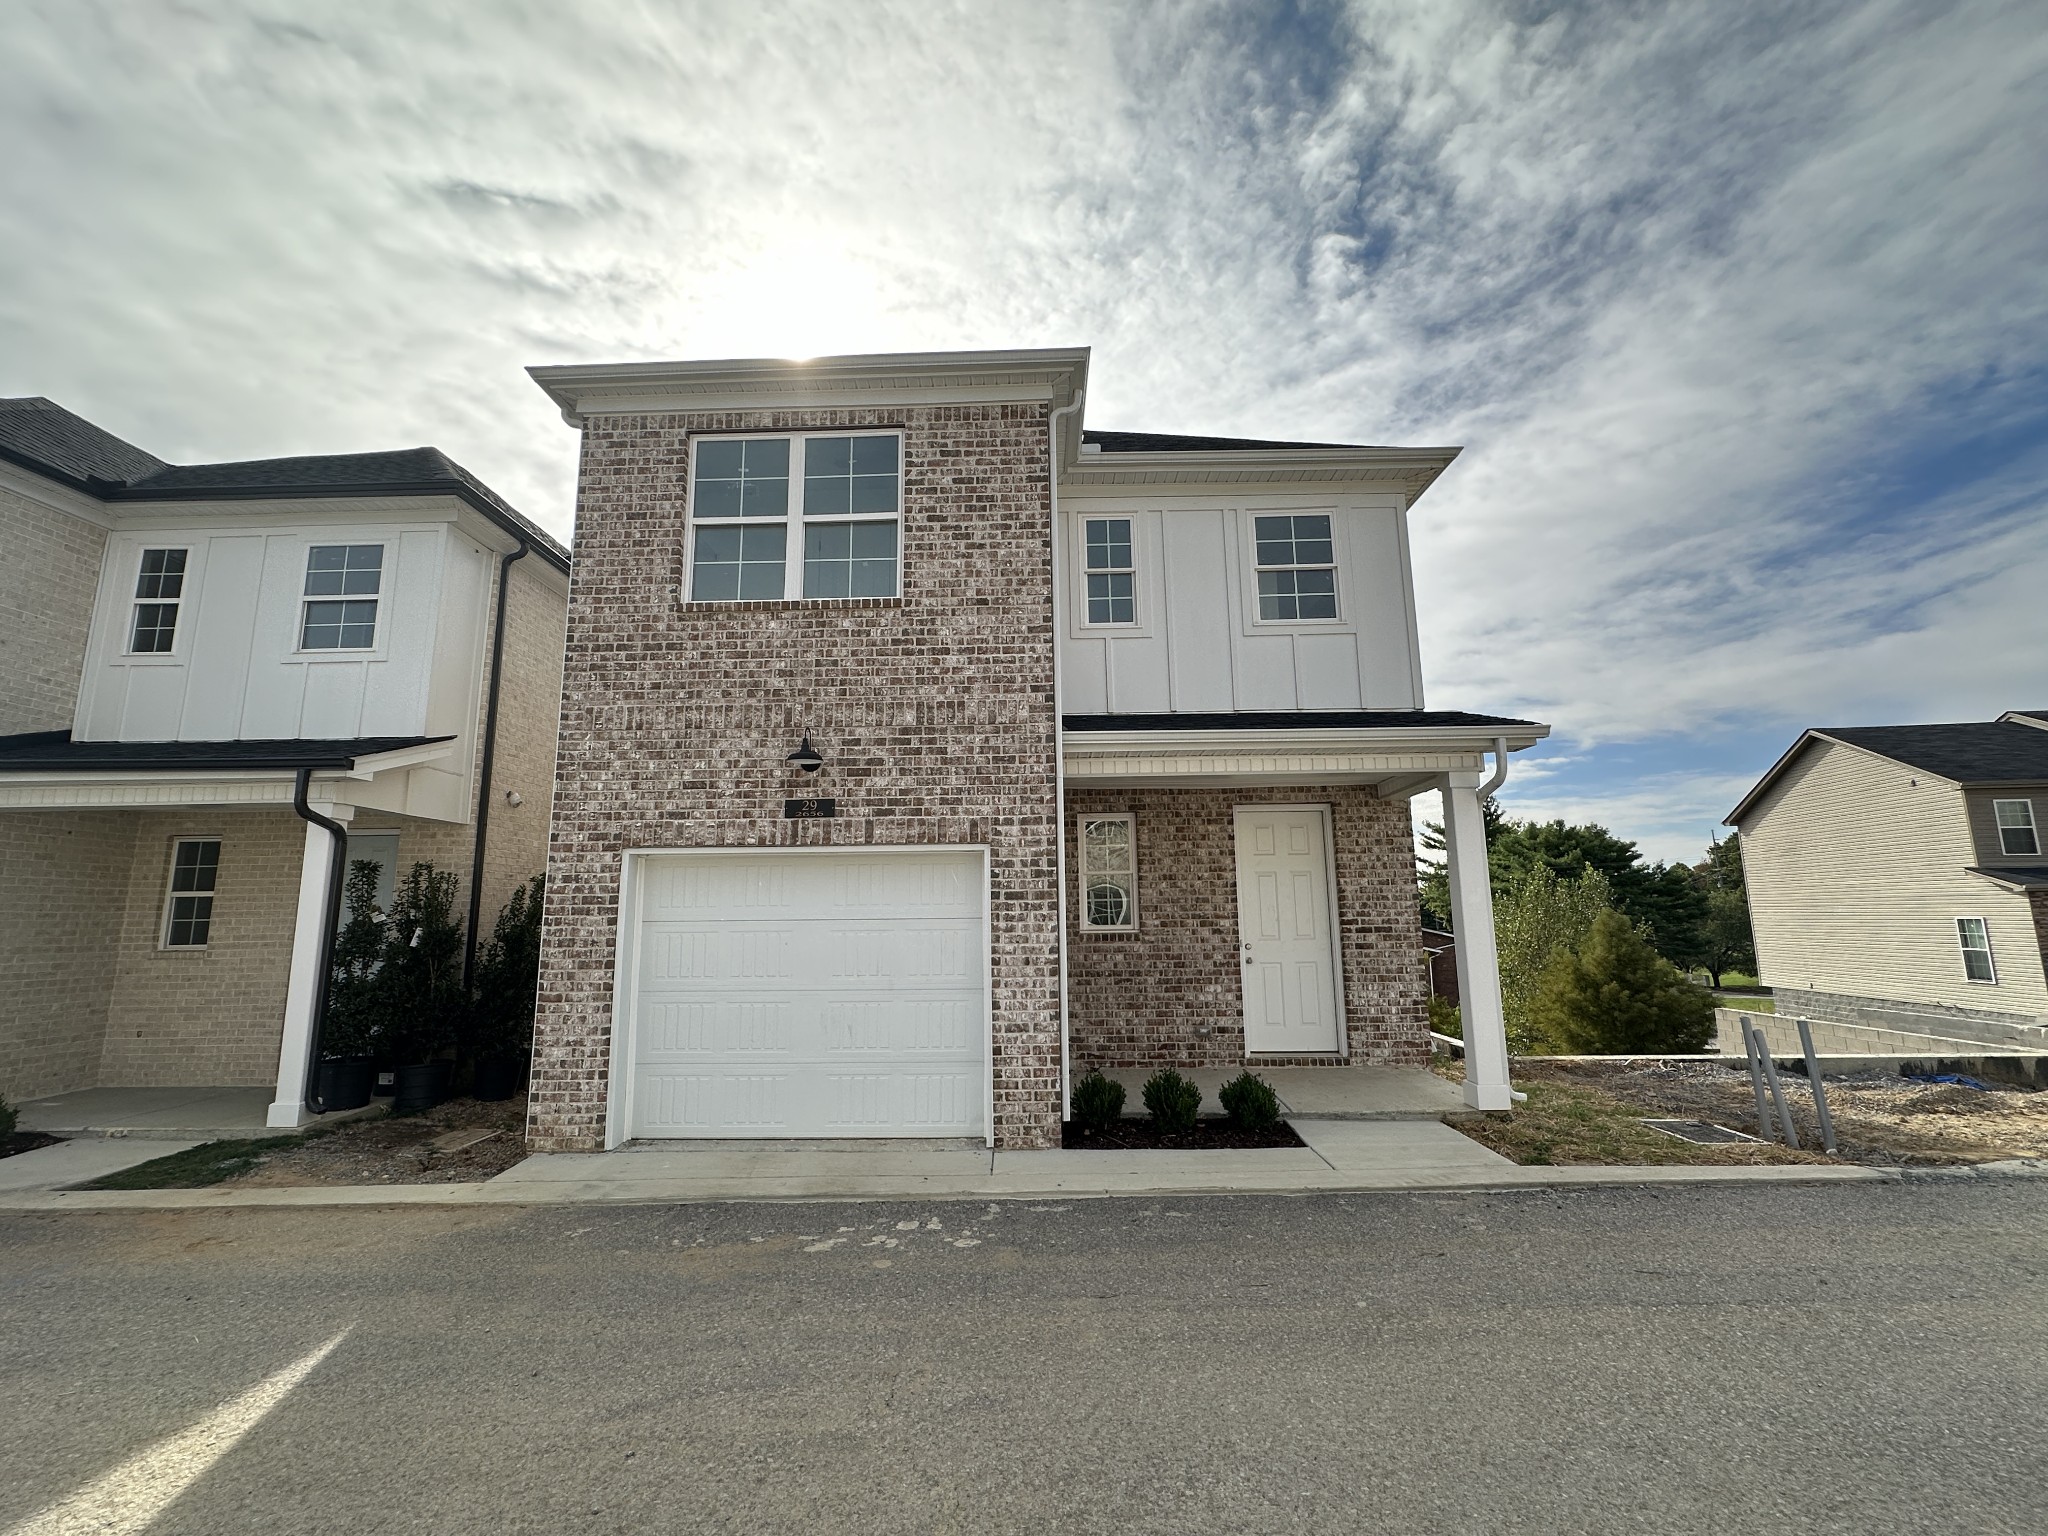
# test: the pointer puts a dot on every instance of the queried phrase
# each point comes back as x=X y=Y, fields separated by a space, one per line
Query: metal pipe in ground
x=1820 y=1093
x=1778 y=1098
x=1752 y=1043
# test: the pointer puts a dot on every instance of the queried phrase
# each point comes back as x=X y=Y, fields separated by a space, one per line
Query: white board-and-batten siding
x=1856 y=873
x=1198 y=643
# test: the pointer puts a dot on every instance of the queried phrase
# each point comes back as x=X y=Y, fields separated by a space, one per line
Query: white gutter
x=1059 y=732
x=1500 y=768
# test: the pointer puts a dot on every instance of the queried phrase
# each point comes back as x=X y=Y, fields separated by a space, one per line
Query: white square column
x=288 y=1109
x=1479 y=1006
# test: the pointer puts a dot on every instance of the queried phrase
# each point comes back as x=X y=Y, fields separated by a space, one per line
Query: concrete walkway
x=162 y=1114
x=74 y=1162
x=1340 y=1155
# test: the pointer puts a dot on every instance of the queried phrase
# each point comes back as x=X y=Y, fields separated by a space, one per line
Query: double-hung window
x=809 y=516
x=159 y=590
x=2016 y=831
x=188 y=910
x=1297 y=567
x=1975 y=939
x=342 y=586
x=1111 y=574
x=1109 y=873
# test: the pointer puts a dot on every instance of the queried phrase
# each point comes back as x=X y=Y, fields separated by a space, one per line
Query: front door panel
x=1284 y=923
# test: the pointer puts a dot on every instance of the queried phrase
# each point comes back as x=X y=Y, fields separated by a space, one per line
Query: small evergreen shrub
x=507 y=975
x=1618 y=997
x=1098 y=1102
x=1172 y=1100
x=1250 y=1102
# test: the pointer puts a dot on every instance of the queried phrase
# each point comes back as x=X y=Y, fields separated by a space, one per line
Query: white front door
x=1283 y=919
x=796 y=992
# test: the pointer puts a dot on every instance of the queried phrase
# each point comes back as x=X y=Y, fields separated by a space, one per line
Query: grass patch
x=1745 y=1002
x=195 y=1167
x=1563 y=1123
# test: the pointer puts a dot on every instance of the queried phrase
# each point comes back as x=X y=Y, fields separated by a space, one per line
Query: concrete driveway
x=1868 y=1358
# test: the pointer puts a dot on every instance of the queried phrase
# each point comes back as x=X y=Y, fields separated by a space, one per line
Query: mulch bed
x=26 y=1141
x=1207 y=1136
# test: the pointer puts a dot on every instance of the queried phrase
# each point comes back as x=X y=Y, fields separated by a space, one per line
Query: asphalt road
x=1847 y=1359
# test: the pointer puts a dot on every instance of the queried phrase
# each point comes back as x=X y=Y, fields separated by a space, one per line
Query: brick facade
x=56 y=966
x=1170 y=994
x=934 y=711
x=47 y=582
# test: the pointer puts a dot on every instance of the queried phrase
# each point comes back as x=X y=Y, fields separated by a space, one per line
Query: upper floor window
x=342 y=585
x=1975 y=938
x=159 y=589
x=1111 y=573
x=1296 y=566
x=188 y=909
x=745 y=525
x=2016 y=831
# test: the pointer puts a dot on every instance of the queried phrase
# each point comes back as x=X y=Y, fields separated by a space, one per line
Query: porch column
x=289 y=1107
x=1485 y=1024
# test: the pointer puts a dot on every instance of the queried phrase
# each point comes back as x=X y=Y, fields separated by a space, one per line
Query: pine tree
x=1616 y=996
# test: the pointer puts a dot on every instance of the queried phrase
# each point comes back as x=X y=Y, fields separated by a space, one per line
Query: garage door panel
x=795 y=994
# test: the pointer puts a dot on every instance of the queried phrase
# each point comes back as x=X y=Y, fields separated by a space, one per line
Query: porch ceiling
x=1391 y=762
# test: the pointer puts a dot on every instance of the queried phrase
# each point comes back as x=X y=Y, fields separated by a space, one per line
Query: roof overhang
x=2021 y=879
x=245 y=785
x=1051 y=375
x=1395 y=763
x=1410 y=471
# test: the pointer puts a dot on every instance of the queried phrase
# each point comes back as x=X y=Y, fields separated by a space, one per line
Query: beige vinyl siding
x=1984 y=823
x=1856 y=878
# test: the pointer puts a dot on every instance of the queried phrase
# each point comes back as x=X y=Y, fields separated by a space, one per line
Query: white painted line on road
x=128 y=1498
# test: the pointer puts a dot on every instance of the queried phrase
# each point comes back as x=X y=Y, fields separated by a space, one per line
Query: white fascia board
x=31 y=486
x=1429 y=740
x=243 y=515
x=371 y=764
x=144 y=791
x=1052 y=374
x=1410 y=469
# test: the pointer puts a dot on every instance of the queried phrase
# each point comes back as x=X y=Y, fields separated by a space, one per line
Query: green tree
x=1537 y=918
x=354 y=1004
x=1726 y=942
x=1435 y=872
x=420 y=977
x=507 y=972
x=1616 y=996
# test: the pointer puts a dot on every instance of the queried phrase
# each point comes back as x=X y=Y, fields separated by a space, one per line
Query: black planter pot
x=345 y=1082
x=444 y=1076
x=417 y=1087
x=499 y=1077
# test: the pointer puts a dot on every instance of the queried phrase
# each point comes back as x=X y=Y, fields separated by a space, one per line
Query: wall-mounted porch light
x=807 y=757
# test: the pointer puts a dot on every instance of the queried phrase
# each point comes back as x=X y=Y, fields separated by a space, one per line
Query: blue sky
x=1739 y=311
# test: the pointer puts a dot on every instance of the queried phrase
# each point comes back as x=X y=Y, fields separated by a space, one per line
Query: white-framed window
x=804 y=515
x=1109 y=873
x=2016 y=831
x=342 y=586
x=1110 y=569
x=159 y=592
x=1297 y=566
x=188 y=905
x=1975 y=938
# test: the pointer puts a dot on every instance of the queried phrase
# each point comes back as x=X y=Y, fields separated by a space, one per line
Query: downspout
x=1500 y=769
x=337 y=869
x=483 y=789
x=1059 y=733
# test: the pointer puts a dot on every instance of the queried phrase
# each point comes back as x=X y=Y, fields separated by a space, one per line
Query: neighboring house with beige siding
x=217 y=683
x=1897 y=877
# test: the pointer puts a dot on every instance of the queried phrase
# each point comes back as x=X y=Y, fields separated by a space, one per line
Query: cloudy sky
x=1740 y=311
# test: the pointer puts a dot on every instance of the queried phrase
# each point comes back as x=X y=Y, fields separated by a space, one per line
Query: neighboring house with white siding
x=1898 y=880
x=216 y=682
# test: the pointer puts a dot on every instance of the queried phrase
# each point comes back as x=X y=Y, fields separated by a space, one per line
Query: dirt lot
x=457 y=1142
x=1591 y=1112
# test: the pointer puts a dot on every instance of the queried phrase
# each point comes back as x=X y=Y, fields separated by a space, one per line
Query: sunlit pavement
x=1869 y=1358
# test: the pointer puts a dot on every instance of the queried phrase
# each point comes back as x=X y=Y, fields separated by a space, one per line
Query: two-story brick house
x=217 y=683
x=921 y=750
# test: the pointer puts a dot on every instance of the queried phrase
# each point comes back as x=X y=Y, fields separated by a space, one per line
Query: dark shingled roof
x=1991 y=752
x=43 y=751
x=41 y=435
x=53 y=442
x=2033 y=876
x=1169 y=442
x=1299 y=720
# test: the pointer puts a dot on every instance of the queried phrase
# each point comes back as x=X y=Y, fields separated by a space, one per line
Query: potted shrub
x=348 y=1030
x=501 y=1012
x=420 y=986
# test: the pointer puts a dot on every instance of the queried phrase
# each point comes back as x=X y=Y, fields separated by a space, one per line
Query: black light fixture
x=807 y=757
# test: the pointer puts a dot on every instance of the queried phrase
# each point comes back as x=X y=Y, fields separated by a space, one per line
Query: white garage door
x=802 y=993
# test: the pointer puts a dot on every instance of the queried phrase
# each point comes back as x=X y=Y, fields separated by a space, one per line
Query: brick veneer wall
x=1170 y=994
x=210 y=1017
x=48 y=576
x=60 y=907
x=934 y=711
